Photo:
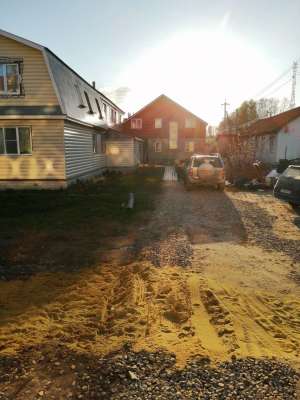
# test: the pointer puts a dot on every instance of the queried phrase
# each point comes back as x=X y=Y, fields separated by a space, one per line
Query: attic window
x=88 y=102
x=136 y=123
x=190 y=123
x=113 y=116
x=99 y=109
x=10 y=79
x=79 y=96
x=105 y=109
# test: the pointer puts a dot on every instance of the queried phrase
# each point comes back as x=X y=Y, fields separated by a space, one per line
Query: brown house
x=170 y=132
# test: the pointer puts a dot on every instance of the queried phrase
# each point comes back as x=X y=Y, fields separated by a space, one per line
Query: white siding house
x=288 y=141
x=276 y=137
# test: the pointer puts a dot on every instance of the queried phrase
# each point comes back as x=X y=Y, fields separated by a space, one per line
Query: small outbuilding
x=123 y=152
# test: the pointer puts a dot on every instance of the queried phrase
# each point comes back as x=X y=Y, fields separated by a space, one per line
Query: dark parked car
x=288 y=185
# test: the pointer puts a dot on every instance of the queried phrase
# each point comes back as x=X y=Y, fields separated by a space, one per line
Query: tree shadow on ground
x=183 y=219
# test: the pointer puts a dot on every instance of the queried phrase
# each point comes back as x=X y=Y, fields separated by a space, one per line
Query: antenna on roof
x=294 y=84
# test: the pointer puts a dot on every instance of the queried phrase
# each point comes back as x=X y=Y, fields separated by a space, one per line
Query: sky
x=195 y=51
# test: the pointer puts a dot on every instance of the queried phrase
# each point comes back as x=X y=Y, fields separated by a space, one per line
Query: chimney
x=94 y=84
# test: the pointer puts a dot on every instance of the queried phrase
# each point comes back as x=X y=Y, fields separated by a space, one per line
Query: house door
x=173 y=135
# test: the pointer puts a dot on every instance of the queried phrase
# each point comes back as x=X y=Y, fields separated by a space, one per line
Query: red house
x=170 y=132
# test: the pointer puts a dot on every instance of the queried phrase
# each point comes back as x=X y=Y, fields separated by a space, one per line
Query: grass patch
x=67 y=227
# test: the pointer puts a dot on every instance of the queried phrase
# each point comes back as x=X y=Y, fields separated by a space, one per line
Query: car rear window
x=292 y=172
x=214 y=161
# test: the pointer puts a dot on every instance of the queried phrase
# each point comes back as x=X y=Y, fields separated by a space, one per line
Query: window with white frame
x=10 y=79
x=158 y=123
x=189 y=146
x=157 y=147
x=190 y=123
x=15 y=140
x=136 y=123
x=97 y=143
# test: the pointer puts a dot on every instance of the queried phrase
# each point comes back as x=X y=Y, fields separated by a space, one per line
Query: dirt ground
x=230 y=277
x=211 y=274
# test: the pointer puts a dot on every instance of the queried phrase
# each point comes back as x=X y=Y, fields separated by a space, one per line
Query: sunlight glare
x=197 y=69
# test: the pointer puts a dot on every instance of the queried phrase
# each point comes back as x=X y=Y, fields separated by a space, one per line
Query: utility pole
x=294 y=84
x=225 y=104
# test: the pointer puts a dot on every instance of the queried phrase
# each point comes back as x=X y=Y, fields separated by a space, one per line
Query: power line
x=278 y=88
x=273 y=83
x=266 y=88
x=294 y=84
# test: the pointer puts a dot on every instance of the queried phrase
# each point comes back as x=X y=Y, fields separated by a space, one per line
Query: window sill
x=15 y=155
x=9 y=96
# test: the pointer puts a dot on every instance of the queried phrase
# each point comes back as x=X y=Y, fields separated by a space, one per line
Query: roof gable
x=21 y=40
x=161 y=98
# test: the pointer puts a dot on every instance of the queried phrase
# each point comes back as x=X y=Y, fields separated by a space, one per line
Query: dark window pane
x=11 y=141
x=24 y=141
x=11 y=147
x=98 y=143
x=1 y=78
x=1 y=141
x=94 y=143
x=12 y=78
x=11 y=134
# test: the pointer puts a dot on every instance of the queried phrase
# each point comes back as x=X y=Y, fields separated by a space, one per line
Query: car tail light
x=191 y=172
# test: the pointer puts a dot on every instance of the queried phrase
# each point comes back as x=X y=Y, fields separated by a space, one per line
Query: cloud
x=117 y=95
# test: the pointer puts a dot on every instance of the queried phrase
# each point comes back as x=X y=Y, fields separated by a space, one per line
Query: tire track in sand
x=200 y=319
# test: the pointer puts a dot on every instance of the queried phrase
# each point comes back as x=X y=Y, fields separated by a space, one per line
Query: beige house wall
x=46 y=164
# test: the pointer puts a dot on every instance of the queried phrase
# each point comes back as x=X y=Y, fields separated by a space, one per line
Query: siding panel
x=80 y=159
x=47 y=159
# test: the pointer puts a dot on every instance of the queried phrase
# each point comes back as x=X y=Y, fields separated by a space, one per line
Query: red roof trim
x=273 y=124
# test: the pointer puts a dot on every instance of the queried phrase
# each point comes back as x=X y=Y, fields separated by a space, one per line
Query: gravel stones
x=125 y=375
x=157 y=378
